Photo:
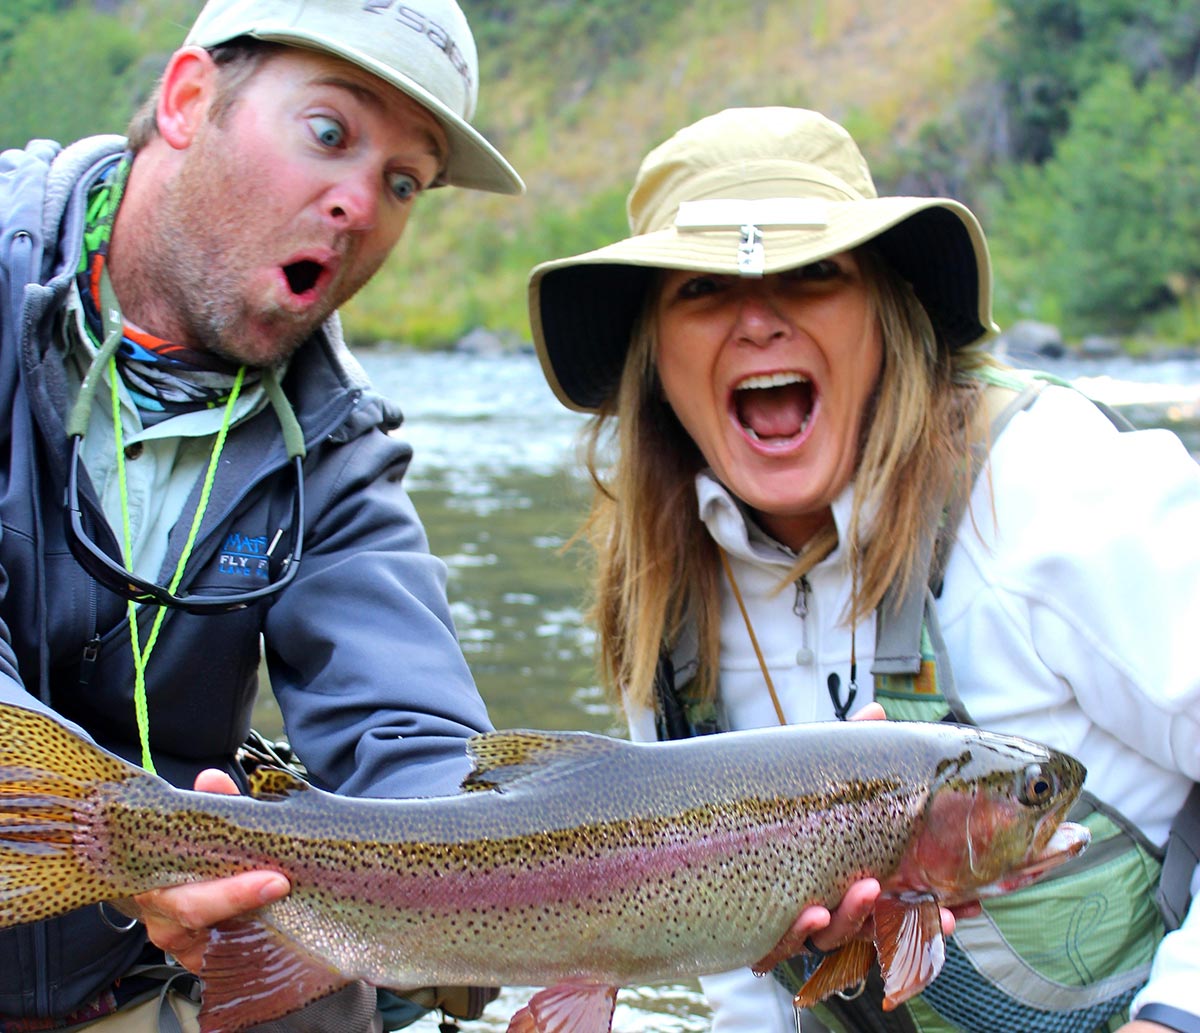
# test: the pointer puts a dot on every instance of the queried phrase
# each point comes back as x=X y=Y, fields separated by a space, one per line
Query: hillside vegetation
x=1068 y=125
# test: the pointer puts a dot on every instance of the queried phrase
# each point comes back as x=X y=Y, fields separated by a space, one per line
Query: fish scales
x=654 y=880
x=572 y=858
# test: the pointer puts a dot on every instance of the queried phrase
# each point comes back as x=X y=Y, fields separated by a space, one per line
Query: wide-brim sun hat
x=424 y=48
x=750 y=192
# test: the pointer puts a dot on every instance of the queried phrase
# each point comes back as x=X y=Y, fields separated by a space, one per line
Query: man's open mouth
x=302 y=276
x=774 y=406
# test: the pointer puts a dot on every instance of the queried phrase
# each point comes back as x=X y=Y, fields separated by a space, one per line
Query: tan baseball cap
x=749 y=192
x=422 y=47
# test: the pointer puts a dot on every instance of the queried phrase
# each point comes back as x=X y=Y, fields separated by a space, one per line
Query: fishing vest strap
x=901 y=616
x=1179 y=864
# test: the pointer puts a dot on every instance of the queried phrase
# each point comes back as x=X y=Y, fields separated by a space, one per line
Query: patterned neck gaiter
x=164 y=378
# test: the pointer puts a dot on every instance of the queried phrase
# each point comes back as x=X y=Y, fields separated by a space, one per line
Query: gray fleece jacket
x=360 y=647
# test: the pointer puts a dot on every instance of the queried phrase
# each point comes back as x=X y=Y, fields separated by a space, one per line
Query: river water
x=495 y=478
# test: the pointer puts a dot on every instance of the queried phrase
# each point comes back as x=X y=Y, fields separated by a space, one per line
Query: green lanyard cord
x=77 y=423
x=142 y=658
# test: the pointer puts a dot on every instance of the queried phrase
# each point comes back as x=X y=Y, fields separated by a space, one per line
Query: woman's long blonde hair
x=656 y=567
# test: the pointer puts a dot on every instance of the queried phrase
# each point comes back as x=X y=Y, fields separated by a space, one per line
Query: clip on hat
x=750 y=192
x=424 y=48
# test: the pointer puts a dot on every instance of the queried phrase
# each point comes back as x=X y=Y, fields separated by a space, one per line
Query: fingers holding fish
x=214 y=780
x=178 y=918
x=817 y=928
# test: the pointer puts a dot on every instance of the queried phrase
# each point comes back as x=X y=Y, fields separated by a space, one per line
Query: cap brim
x=472 y=163
x=582 y=309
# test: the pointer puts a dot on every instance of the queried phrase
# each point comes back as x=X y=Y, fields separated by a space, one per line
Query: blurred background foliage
x=1068 y=125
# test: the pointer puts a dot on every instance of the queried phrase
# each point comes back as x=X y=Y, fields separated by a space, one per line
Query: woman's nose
x=758 y=320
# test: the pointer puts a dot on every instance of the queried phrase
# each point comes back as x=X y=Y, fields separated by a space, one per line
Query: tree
x=65 y=77
x=1111 y=223
x=1052 y=51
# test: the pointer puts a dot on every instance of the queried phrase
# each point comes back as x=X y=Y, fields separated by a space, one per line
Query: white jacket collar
x=730 y=526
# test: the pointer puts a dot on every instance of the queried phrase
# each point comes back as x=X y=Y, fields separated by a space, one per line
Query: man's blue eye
x=403 y=185
x=329 y=131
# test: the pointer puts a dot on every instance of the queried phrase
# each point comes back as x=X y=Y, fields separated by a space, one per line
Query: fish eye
x=1039 y=786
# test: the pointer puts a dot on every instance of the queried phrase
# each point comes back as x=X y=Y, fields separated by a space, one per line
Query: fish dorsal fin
x=503 y=759
x=266 y=783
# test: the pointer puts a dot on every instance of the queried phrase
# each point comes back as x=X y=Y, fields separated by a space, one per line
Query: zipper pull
x=804 y=655
x=88 y=664
x=800 y=606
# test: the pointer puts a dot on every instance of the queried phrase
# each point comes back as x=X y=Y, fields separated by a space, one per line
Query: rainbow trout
x=571 y=861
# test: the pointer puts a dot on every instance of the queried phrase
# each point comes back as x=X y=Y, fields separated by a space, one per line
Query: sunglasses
x=282 y=565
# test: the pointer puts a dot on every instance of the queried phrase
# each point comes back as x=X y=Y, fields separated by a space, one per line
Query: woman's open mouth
x=775 y=408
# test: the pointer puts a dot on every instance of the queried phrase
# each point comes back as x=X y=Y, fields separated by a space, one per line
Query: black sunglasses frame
x=123 y=582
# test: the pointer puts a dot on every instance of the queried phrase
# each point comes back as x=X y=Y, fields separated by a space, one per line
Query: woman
x=813 y=487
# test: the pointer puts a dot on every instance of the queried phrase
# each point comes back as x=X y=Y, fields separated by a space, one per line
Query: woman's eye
x=698 y=287
x=327 y=130
x=824 y=269
x=403 y=185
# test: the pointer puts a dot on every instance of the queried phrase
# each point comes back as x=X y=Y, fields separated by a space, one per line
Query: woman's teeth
x=774 y=406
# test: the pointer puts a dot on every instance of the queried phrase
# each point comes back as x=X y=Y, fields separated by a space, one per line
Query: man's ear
x=185 y=94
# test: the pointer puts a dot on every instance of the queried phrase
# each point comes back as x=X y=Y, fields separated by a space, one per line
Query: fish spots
x=602 y=860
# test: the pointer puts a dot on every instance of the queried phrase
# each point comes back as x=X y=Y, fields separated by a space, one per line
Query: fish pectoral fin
x=252 y=975
x=908 y=937
x=840 y=969
x=567 y=1008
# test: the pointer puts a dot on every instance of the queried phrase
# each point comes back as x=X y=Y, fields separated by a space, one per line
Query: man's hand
x=177 y=919
x=818 y=927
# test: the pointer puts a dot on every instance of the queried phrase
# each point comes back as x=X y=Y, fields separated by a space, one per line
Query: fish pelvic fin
x=51 y=783
x=253 y=975
x=908 y=937
x=503 y=759
x=567 y=1008
x=839 y=970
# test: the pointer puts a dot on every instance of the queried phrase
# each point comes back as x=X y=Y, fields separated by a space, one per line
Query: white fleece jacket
x=1071 y=614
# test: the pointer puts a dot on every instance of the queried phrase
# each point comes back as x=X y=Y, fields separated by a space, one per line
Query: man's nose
x=351 y=203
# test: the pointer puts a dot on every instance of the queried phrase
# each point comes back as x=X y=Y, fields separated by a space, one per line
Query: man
x=194 y=464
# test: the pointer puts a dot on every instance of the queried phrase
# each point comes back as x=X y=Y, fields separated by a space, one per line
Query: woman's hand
x=178 y=919
x=818 y=927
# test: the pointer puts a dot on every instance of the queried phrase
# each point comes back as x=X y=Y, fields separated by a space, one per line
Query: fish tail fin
x=52 y=850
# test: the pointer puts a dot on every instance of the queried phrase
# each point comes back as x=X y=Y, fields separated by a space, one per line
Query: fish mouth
x=1068 y=840
x=775 y=409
